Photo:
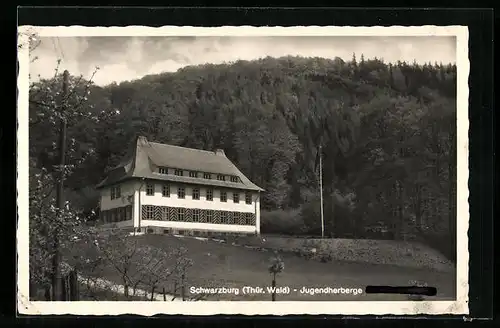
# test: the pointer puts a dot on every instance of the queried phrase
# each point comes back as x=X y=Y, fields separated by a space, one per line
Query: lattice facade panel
x=167 y=213
x=173 y=214
x=217 y=217
x=229 y=218
x=241 y=219
x=203 y=216
x=188 y=215
x=158 y=213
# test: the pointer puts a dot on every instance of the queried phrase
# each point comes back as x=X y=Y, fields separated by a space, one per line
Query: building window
x=221 y=177
x=178 y=172
x=182 y=213
x=223 y=196
x=148 y=212
x=234 y=178
x=210 y=216
x=207 y=176
x=181 y=192
x=150 y=189
x=224 y=217
x=248 y=198
x=115 y=192
x=196 y=193
x=119 y=214
x=196 y=215
x=236 y=197
x=210 y=194
x=163 y=170
x=166 y=190
x=193 y=174
x=165 y=213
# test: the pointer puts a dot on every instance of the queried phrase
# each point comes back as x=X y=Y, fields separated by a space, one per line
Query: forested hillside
x=388 y=135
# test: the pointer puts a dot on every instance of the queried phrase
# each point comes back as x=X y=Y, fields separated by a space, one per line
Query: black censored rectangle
x=406 y=290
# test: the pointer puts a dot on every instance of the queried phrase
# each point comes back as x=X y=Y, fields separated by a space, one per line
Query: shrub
x=339 y=218
x=287 y=222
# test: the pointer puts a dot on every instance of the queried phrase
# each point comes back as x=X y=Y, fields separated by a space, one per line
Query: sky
x=128 y=58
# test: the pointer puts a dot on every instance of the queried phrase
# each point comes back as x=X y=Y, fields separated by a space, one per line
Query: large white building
x=169 y=189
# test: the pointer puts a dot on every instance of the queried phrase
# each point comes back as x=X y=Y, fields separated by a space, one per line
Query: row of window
x=195 y=233
x=209 y=193
x=116 y=192
x=195 y=174
x=118 y=214
x=166 y=213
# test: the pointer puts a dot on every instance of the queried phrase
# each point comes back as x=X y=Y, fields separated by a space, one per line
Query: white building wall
x=257 y=212
x=138 y=185
x=199 y=226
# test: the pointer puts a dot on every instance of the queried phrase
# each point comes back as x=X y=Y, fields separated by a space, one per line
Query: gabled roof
x=147 y=156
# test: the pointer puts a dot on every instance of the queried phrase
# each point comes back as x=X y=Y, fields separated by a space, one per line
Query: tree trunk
x=56 y=274
x=401 y=205
x=125 y=288
x=73 y=286
x=64 y=288
x=273 y=296
x=153 y=293
x=48 y=293
x=182 y=286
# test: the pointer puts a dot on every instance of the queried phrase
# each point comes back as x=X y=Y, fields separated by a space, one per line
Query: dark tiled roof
x=148 y=156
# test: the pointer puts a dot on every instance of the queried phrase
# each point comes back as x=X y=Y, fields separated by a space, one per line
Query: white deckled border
x=427 y=30
x=460 y=306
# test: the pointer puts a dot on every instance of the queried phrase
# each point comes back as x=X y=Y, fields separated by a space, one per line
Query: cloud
x=127 y=58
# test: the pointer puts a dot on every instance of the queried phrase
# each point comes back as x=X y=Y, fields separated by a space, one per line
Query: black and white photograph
x=252 y=170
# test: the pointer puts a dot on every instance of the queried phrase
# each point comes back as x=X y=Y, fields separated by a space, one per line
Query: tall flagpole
x=321 y=192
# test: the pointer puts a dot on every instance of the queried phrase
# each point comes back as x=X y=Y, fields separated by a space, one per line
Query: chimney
x=141 y=140
x=220 y=152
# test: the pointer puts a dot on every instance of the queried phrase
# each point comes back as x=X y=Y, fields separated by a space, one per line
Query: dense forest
x=387 y=134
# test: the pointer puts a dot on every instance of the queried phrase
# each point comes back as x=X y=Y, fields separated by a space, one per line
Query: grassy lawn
x=224 y=265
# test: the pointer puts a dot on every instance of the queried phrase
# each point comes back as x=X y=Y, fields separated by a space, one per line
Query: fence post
x=164 y=295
